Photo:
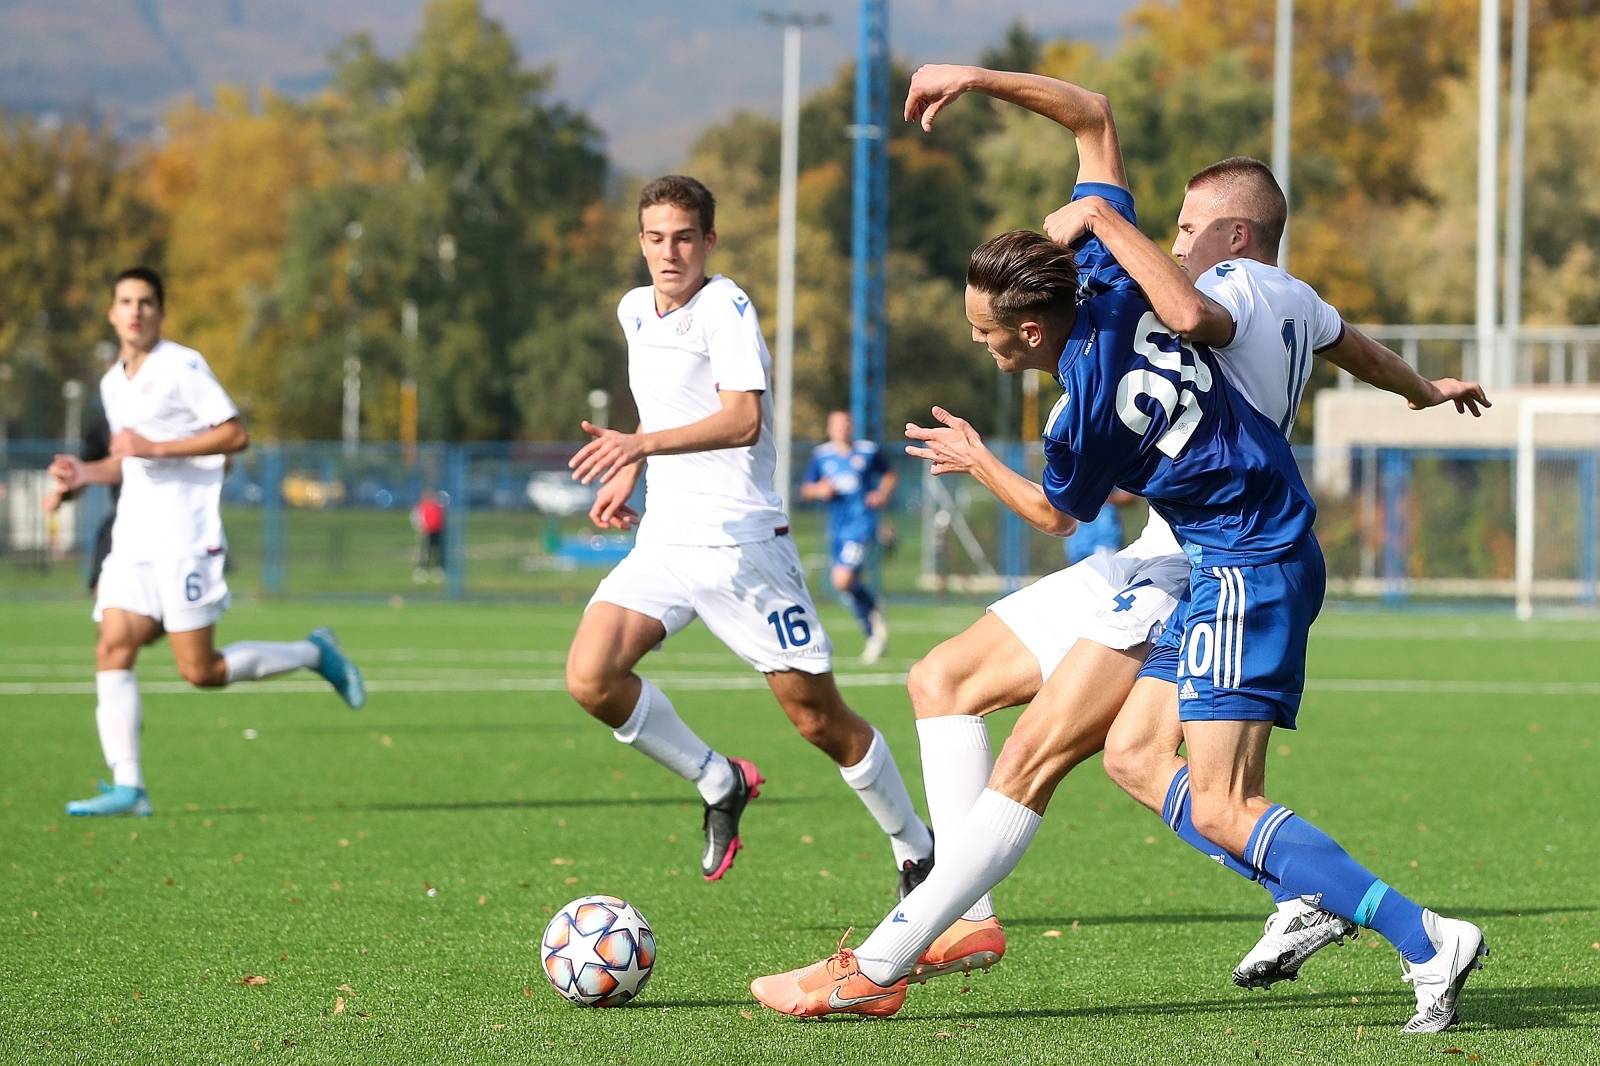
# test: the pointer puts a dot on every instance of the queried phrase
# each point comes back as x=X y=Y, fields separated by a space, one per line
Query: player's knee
x=111 y=653
x=1128 y=765
x=931 y=686
x=587 y=686
x=1216 y=817
x=843 y=578
x=203 y=674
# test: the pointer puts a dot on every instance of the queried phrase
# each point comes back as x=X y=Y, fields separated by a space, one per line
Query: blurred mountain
x=650 y=73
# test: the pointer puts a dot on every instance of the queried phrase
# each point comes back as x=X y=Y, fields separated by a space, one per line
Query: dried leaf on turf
x=255 y=979
x=347 y=989
x=338 y=1005
x=746 y=1015
x=1052 y=932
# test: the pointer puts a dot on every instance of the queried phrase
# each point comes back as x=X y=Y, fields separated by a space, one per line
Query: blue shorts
x=1236 y=648
x=850 y=546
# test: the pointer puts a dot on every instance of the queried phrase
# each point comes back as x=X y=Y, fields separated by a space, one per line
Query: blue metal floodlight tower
x=869 y=223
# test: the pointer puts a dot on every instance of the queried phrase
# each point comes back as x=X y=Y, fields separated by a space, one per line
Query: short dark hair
x=146 y=275
x=1248 y=190
x=1024 y=273
x=680 y=190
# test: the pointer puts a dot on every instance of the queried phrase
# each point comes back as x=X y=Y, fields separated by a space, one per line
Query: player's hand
x=1071 y=221
x=125 y=444
x=68 y=473
x=1466 y=395
x=609 y=452
x=932 y=87
x=610 y=509
x=875 y=500
x=953 y=446
x=53 y=497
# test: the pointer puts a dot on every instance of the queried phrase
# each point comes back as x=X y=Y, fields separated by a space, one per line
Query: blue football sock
x=1309 y=862
x=862 y=603
x=1176 y=813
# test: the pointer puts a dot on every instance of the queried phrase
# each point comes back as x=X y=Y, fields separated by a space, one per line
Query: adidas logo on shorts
x=1187 y=692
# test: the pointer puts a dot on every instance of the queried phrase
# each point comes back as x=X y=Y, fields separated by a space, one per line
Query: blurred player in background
x=172 y=426
x=713 y=543
x=854 y=478
x=427 y=518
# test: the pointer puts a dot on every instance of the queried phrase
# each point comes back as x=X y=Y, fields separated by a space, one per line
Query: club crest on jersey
x=684 y=324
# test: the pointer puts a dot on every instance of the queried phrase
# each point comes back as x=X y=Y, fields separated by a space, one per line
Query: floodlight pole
x=1516 y=167
x=788 y=172
x=1282 y=109
x=1489 y=369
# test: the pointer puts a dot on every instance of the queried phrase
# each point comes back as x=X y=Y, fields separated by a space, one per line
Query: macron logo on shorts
x=1187 y=692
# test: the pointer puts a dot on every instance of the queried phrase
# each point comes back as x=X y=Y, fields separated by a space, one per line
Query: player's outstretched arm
x=1364 y=358
x=955 y=447
x=222 y=439
x=736 y=425
x=1173 y=297
x=1087 y=114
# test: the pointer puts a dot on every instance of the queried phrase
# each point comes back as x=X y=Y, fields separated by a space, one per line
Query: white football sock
x=988 y=847
x=118 y=716
x=252 y=660
x=877 y=781
x=655 y=729
x=955 y=769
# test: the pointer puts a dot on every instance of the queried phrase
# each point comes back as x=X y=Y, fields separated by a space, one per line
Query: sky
x=651 y=74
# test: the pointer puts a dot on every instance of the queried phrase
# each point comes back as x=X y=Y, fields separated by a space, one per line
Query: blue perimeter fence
x=315 y=519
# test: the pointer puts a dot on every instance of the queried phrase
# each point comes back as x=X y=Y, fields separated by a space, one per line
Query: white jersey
x=170 y=509
x=1279 y=322
x=677 y=364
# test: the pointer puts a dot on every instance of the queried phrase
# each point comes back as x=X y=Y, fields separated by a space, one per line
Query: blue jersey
x=852 y=475
x=1145 y=410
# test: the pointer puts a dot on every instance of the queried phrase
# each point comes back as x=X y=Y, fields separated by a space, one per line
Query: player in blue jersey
x=1146 y=411
x=854 y=478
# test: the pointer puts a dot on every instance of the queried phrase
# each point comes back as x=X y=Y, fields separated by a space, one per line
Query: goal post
x=1558 y=452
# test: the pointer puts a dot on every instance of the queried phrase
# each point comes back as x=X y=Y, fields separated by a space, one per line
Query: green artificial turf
x=388 y=872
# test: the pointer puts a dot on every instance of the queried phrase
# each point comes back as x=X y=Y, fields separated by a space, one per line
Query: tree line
x=443 y=217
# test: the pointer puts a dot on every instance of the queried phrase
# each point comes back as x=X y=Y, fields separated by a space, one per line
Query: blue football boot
x=113 y=800
x=337 y=669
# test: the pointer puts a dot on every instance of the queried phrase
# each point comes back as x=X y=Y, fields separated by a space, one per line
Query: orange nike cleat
x=835 y=985
x=962 y=948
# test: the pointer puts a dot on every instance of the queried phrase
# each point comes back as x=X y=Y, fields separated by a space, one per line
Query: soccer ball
x=598 y=951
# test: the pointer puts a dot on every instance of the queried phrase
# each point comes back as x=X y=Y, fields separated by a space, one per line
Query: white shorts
x=181 y=594
x=752 y=597
x=1120 y=601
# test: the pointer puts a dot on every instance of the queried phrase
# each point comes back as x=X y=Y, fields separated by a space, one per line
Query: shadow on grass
x=647 y=1003
x=471 y=806
x=392 y=728
x=1060 y=921
x=1483 y=1009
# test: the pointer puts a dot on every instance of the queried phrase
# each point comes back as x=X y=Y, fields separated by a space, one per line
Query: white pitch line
x=740 y=682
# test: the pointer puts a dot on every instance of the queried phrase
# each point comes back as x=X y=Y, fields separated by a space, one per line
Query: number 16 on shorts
x=791 y=627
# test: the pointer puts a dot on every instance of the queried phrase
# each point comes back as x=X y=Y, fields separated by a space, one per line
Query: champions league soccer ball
x=598 y=951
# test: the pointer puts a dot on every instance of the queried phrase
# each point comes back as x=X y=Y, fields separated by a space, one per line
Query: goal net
x=1557 y=485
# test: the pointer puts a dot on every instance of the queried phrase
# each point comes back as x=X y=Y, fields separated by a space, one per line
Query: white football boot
x=877 y=640
x=1438 y=981
x=1297 y=930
